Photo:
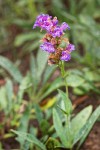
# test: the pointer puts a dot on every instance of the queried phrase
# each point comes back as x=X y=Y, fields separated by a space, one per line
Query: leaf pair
x=80 y=125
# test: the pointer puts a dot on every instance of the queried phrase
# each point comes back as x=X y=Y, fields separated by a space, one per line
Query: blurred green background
x=18 y=40
x=17 y=19
x=19 y=45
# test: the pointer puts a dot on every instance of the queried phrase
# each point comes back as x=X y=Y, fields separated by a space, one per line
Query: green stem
x=62 y=68
x=63 y=74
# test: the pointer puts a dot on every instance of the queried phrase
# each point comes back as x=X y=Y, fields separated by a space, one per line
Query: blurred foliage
x=17 y=39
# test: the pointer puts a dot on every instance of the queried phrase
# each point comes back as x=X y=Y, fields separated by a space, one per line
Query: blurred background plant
x=24 y=75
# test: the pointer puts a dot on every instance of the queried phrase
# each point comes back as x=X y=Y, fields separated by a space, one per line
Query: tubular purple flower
x=42 y=21
x=54 y=21
x=65 y=26
x=57 y=32
x=45 y=22
x=65 y=56
x=70 y=47
x=48 y=47
x=54 y=38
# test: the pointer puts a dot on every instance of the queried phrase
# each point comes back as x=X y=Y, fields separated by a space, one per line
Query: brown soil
x=93 y=140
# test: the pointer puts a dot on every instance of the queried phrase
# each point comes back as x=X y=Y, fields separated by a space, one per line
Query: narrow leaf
x=67 y=102
x=80 y=120
x=39 y=114
x=24 y=125
x=20 y=39
x=48 y=72
x=74 y=80
x=55 y=84
x=90 y=124
x=3 y=99
x=11 y=68
x=30 y=138
x=26 y=82
x=9 y=90
x=33 y=69
x=41 y=62
x=58 y=127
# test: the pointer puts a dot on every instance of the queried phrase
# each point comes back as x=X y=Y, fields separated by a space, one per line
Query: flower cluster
x=53 y=38
x=45 y=22
x=66 y=54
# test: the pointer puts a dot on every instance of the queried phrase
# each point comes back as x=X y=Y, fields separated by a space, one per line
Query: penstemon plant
x=59 y=49
x=70 y=130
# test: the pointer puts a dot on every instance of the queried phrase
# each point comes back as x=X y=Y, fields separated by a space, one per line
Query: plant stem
x=63 y=74
x=62 y=68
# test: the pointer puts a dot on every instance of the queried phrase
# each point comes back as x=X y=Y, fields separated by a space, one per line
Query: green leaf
x=80 y=120
x=67 y=102
x=44 y=126
x=30 y=138
x=9 y=91
x=79 y=91
x=55 y=84
x=89 y=124
x=39 y=114
x=20 y=39
x=22 y=22
x=3 y=98
x=48 y=72
x=26 y=82
x=89 y=75
x=41 y=62
x=83 y=89
x=23 y=125
x=74 y=80
x=11 y=68
x=33 y=69
x=52 y=143
x=1 y=147
x=25 y=85
x=59 y=128
x=33 y=46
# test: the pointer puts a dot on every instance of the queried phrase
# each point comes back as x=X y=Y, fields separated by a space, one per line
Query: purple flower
x=70 y=47
x=43 y=21
x=56 y=32
x=48 y=47
x=65 y=56
x=53 y=39
x=54 y=21
x=65 y=26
